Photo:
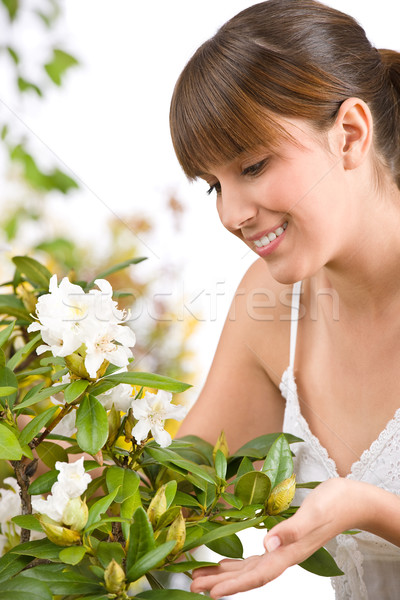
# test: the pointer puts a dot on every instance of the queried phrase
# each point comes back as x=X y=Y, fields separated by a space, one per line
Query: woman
x=293 y=119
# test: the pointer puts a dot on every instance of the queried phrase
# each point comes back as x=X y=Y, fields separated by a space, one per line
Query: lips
x=265 y=238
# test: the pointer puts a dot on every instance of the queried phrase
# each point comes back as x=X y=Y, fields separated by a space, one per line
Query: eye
x=256 y=168
x=215 y=187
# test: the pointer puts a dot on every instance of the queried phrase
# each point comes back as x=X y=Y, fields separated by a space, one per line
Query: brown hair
x=281 y=58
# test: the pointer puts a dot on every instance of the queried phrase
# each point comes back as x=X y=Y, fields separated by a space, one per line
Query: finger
x=244 y=581
x=209 y=582
x=224 y=565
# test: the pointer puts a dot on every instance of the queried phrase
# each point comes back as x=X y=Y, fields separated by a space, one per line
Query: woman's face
x=290 y=206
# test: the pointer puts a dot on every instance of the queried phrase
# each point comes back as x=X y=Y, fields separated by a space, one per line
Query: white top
x=371 y=564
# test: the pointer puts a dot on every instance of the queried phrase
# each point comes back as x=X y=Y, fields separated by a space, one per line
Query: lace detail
x=350 y=560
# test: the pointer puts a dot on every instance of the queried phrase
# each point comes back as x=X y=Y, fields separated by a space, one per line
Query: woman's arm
x=241 y=394
x=333 y=507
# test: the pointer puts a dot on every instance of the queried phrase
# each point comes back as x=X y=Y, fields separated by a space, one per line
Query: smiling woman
x=291 y=116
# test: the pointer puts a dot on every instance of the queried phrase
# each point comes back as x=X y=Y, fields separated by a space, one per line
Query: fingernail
x=273 y=543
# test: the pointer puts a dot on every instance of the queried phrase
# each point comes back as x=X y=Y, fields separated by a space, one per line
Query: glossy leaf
x=50 y=453
x=35 y=425
x=253 y=488
x=149 y=380
x=75 y=389
x=321 y=563
x=245 y=466
x=128 y=509
x=72 y=555
x=10 y=448
x=42 y=395
x=166 y=456
x=43 y=483
x=33 y=270
x=150 y=560
x=170 y=491
x=141 y=538
x=92 y=425
x=21 y=588
x=106 y=551
x=11 y=564
x=279 y=462
x=27 y=522
x=259 y=447
x=126 y=480
x=229 y=546
x=38 y=548
x=220 y=464
x=221 y=532
x=100 y=507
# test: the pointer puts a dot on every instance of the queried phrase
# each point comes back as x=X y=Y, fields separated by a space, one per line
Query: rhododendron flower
x=151 y=411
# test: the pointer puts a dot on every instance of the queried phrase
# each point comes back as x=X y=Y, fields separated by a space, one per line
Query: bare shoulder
x=241 y=394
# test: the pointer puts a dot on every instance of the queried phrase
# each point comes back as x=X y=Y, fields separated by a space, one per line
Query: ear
x=353 y=132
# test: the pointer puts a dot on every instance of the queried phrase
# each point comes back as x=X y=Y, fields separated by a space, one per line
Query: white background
x=109 y=127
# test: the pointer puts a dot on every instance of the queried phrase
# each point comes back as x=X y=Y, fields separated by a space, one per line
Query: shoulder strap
x=294 y=320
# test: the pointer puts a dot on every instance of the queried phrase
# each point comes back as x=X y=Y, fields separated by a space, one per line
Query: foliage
x=146 y=507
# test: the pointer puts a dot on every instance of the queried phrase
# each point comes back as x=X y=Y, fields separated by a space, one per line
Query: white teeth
x=270 y=237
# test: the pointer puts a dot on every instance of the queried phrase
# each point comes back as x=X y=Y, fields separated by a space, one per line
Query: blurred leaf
x=14 y=55
x=115 y=268
x=50 y=453
x=75 y=389
x=149 y=380
x=60 y=63
x=92 y=425
x=39 y=371
x=10 y=448
x=3 y=135
x=8 y=380
x=23 y=352
x=126 y=480
x=259 y=447
x=149 y=561
x=33 y=270
x=253 y=488
x=35 y=425
x=10 y=305
x=321 y=563
x=310 y=485
x=279 y=463
x=63 y=250
x=41 y=395
x=141 y=538
x=5 y=333
x=43 y=483
x=72 y=555
x=12 y=7
x=26 y=86
x=61 y=181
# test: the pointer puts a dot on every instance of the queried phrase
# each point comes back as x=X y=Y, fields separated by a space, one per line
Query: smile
x=270 y=237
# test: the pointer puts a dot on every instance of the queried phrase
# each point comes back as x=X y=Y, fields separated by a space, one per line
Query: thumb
x=283 y=534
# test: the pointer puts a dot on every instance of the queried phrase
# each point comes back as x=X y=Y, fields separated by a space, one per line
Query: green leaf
x=50 y=453
x=279 y=462
x=149 y=380
x=14 y=307
x=5 y=333
x=60 y=181
x=75 y=389
x=11 y=564
x=310 y=485
x=167 y=517
x=60 y=63
x=8 y=380
x=72 y=555
x=115 y=268
x=7 y=390
x=246 y=466
x=150 y=560
x=223 y=531
x=198 y=445
x=34 y=426
x=128 y=509
x=183 y=499
x=38 y=548
x=39 y=371
x=10 y=448
x=63 y=580
x=27 y=522
x=220 y=464
x=12 y=7
x=188 y=565
x=321 y=563
x=14 y=55
x=141 y=538
x=26 y=86
x=229 y=546
x=33 y=270
x=106 y=551
x=22 y=353
x=92 y=425
x=168 y=595
x=43 y=483
x=100 y=507
x=20 y=588
x=168 y=457
x=259 y=447
x=253 y=488
x=170 y=491
x=126 y=480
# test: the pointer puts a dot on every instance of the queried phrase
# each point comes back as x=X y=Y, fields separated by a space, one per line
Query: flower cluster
x=151 y=411
x=70 y=319
x=64 y=506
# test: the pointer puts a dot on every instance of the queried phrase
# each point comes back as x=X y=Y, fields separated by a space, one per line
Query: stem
x=64 y=411
x=23 y=482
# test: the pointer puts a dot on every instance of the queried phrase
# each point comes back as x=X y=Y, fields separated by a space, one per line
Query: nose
x=235 y=208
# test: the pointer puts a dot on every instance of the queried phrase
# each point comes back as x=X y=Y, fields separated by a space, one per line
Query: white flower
x=72 y=477
x=67 y=425
x=120 y=396
x=100 y=346
x=10 y=503
x=151 y=411
x=55 y=503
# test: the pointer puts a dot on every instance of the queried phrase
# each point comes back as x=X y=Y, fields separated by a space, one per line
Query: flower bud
x=157 y=506
x=114 y=421
x=222 y=445
x=75 y=514
x=57 y=534
x=281 y=496
x=76 y=364
x=114 y=577
x=177 y=531
x=129 y=424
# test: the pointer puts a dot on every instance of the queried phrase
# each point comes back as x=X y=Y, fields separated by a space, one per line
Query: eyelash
x=251 y=170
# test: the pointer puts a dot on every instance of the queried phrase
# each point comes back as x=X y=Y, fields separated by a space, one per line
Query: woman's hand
x=333 y=507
